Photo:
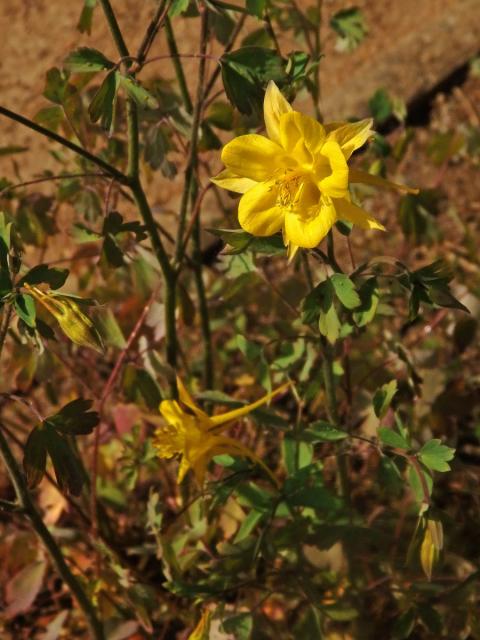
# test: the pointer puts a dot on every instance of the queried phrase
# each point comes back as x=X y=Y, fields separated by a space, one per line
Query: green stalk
x=169 y=274
x=208 y=362
x=177 y=65
x=4 y=328
x=29 y=509
x=190 y=191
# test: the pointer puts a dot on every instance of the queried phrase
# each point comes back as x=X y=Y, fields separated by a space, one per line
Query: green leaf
x=25 y=308
x=417 y=485
x=392 y=438
x=321 y=431
x=380 y=105
x=345 y=290
x=369 y=299
x=240 y=626
x=256 y=7
x=329 y=325
x=135 y=90
x=404 y=625
x=85 y=21
x=177 y=7
x=296 y=454
x=112 y=252
x=42 y=273
x=246 y=73
x=75 y=418
x=104 y=102
x=87 y=60
x=35 y=457
x=436 y=455
x=68 y=469
x=242 y=241
x=50 y=117
x=248 y=525
x=383 y=398
x=350 y=26
x=5 y=281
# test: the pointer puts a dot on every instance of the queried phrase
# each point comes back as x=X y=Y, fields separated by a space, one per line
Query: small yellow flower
x=196 y=436
x=297 y=179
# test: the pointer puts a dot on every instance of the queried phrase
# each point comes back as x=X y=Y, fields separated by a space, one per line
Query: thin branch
x=30 y=124
x=66 y=176
x=105 y=393
x=151 y=32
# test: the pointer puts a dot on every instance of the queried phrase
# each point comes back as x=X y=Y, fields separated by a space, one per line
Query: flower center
x=290 y=187
x=297 y=193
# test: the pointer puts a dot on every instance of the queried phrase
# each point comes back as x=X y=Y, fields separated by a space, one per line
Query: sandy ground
x=411 y=45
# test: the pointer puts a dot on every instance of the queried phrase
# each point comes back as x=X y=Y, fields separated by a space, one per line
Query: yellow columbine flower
x=297 y=179
x=196 y=436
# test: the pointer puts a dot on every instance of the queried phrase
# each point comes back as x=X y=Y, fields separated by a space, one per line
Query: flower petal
x=352 y=136
x=307 y=232
x=302 y=137
x=172 y=412
x=226 y=179
x=274 y=105
x=356 y=175
x=183 y=469
x=335 y=183
x=252 y=156
x=258 y=212
x=348 y=211
x=187 y=400
x=225 y=418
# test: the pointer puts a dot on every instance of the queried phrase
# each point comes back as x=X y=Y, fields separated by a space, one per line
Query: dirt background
x=411 y=46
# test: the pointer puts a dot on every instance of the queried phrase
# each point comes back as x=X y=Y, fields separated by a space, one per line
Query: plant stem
x=330 y=391
x=26 y=122
x=208 y=375
x=4 y=327
x=134 y=182
x=152 y=30
x=114 y=28
x=190 y=194
x=228 y=47
x=190 y=188
x=182 y=83
x=29 y=509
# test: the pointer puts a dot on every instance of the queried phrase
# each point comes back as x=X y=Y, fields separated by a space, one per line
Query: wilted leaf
x=35 y=457
x=23 y=588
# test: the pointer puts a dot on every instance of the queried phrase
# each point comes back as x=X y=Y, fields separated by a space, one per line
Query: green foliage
x=52 y=437
x=436 y=455
x=316 y=542
x=350 y=26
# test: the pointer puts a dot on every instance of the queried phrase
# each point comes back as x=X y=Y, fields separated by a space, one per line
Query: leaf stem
x=30 y=124
x=29 y=509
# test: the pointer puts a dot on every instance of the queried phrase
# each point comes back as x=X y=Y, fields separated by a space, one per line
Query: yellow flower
x=196 y=436
x=297 y=179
